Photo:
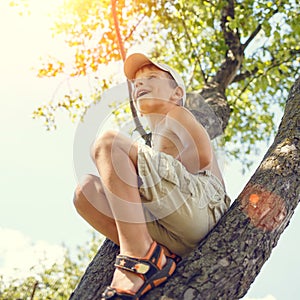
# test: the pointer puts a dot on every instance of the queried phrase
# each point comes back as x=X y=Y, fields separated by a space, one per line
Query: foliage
x=21 y=6
x=56 y=282
x=188 y=36
x=88 y=29
x=195 y=45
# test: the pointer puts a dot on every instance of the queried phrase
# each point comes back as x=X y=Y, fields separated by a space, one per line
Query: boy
x=156 y=203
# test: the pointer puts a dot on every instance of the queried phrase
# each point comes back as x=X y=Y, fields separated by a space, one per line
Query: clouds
x=19 y=254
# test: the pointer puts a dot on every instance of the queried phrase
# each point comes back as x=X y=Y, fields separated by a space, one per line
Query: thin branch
x=210 y=2
x=252 y=36
x=245 y=88
x=192 y=76
x=274 y=65
x=136 y=120
x=294 y=52
x=117 y=28
x=134 y=28
x=34 y=290
x=194 y=49
x=245 y=75
x=257 y=29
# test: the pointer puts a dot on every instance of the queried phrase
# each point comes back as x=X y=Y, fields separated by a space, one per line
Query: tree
x=230 y=257
x=257 y=39
x=54 y=282
x=208 y=42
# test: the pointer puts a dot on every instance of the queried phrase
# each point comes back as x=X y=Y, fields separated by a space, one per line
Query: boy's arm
x=197 y=152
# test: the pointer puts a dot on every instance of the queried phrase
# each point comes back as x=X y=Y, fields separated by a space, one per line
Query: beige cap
x=137 y=60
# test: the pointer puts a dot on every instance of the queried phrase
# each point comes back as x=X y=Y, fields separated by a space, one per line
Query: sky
x=37 y=173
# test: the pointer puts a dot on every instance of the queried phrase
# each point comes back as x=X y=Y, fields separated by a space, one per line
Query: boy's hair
x=136 y=61
x=173 y=84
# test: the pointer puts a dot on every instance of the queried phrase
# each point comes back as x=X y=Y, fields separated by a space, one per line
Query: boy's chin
x=149 y=101
x=145 y=106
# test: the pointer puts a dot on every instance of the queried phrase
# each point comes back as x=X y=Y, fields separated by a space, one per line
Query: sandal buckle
x=141 y=268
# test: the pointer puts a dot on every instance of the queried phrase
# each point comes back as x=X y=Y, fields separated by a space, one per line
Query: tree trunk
x=228 y=260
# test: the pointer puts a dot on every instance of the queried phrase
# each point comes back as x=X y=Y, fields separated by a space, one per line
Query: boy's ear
x=178 y=93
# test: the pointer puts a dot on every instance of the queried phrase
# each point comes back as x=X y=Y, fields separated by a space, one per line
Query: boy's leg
x=116 y=159
x=91 y=203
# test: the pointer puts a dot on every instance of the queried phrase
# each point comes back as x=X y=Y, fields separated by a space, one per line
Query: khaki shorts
x=180 y=207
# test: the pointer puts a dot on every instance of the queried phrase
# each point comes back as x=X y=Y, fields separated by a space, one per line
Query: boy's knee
x=79 y=199
x=80 y=195
x=104 y=143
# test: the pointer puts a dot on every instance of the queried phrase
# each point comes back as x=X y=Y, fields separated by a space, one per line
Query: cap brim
x=134 y=62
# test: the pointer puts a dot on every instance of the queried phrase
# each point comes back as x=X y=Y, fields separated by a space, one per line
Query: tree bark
x=228 y=260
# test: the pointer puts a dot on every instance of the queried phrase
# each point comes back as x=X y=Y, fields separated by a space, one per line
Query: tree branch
x=245 y=75
x=139 y=127
x=257 y=30
x=275 y=63
x=194 y=49
x=134 y=28
x=232 y=39
x=251 y=37
x=235 y=55
x=228 y=260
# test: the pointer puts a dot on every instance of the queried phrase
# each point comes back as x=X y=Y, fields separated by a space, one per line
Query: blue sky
x=37 y=171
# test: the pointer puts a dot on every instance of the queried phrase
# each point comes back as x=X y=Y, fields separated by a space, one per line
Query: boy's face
x=151 y=86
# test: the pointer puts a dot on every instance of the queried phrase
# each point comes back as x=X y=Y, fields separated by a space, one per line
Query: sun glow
x=26 y=32
x=27 y=7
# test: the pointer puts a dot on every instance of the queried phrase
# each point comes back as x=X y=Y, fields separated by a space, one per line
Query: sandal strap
x=172 y=255
x=145 y=266
x=132 y=264
x=114 y=294
x=149 y=268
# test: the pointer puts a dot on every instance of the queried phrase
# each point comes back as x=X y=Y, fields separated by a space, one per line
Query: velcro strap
x=132 y=264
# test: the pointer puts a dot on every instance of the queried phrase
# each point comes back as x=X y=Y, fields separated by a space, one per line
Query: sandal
x=148 y=268
x=174 y=256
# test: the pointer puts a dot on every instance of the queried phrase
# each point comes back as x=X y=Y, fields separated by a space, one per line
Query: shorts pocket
x=174 y=172
x=166 y=172
x=218 y=207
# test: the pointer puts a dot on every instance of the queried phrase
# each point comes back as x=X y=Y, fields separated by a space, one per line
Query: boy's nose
x=138 y=82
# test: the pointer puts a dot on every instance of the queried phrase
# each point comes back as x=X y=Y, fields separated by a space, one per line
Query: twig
x=251 y=37
x=191 y=45
x=34 y=290
x=139 y=128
